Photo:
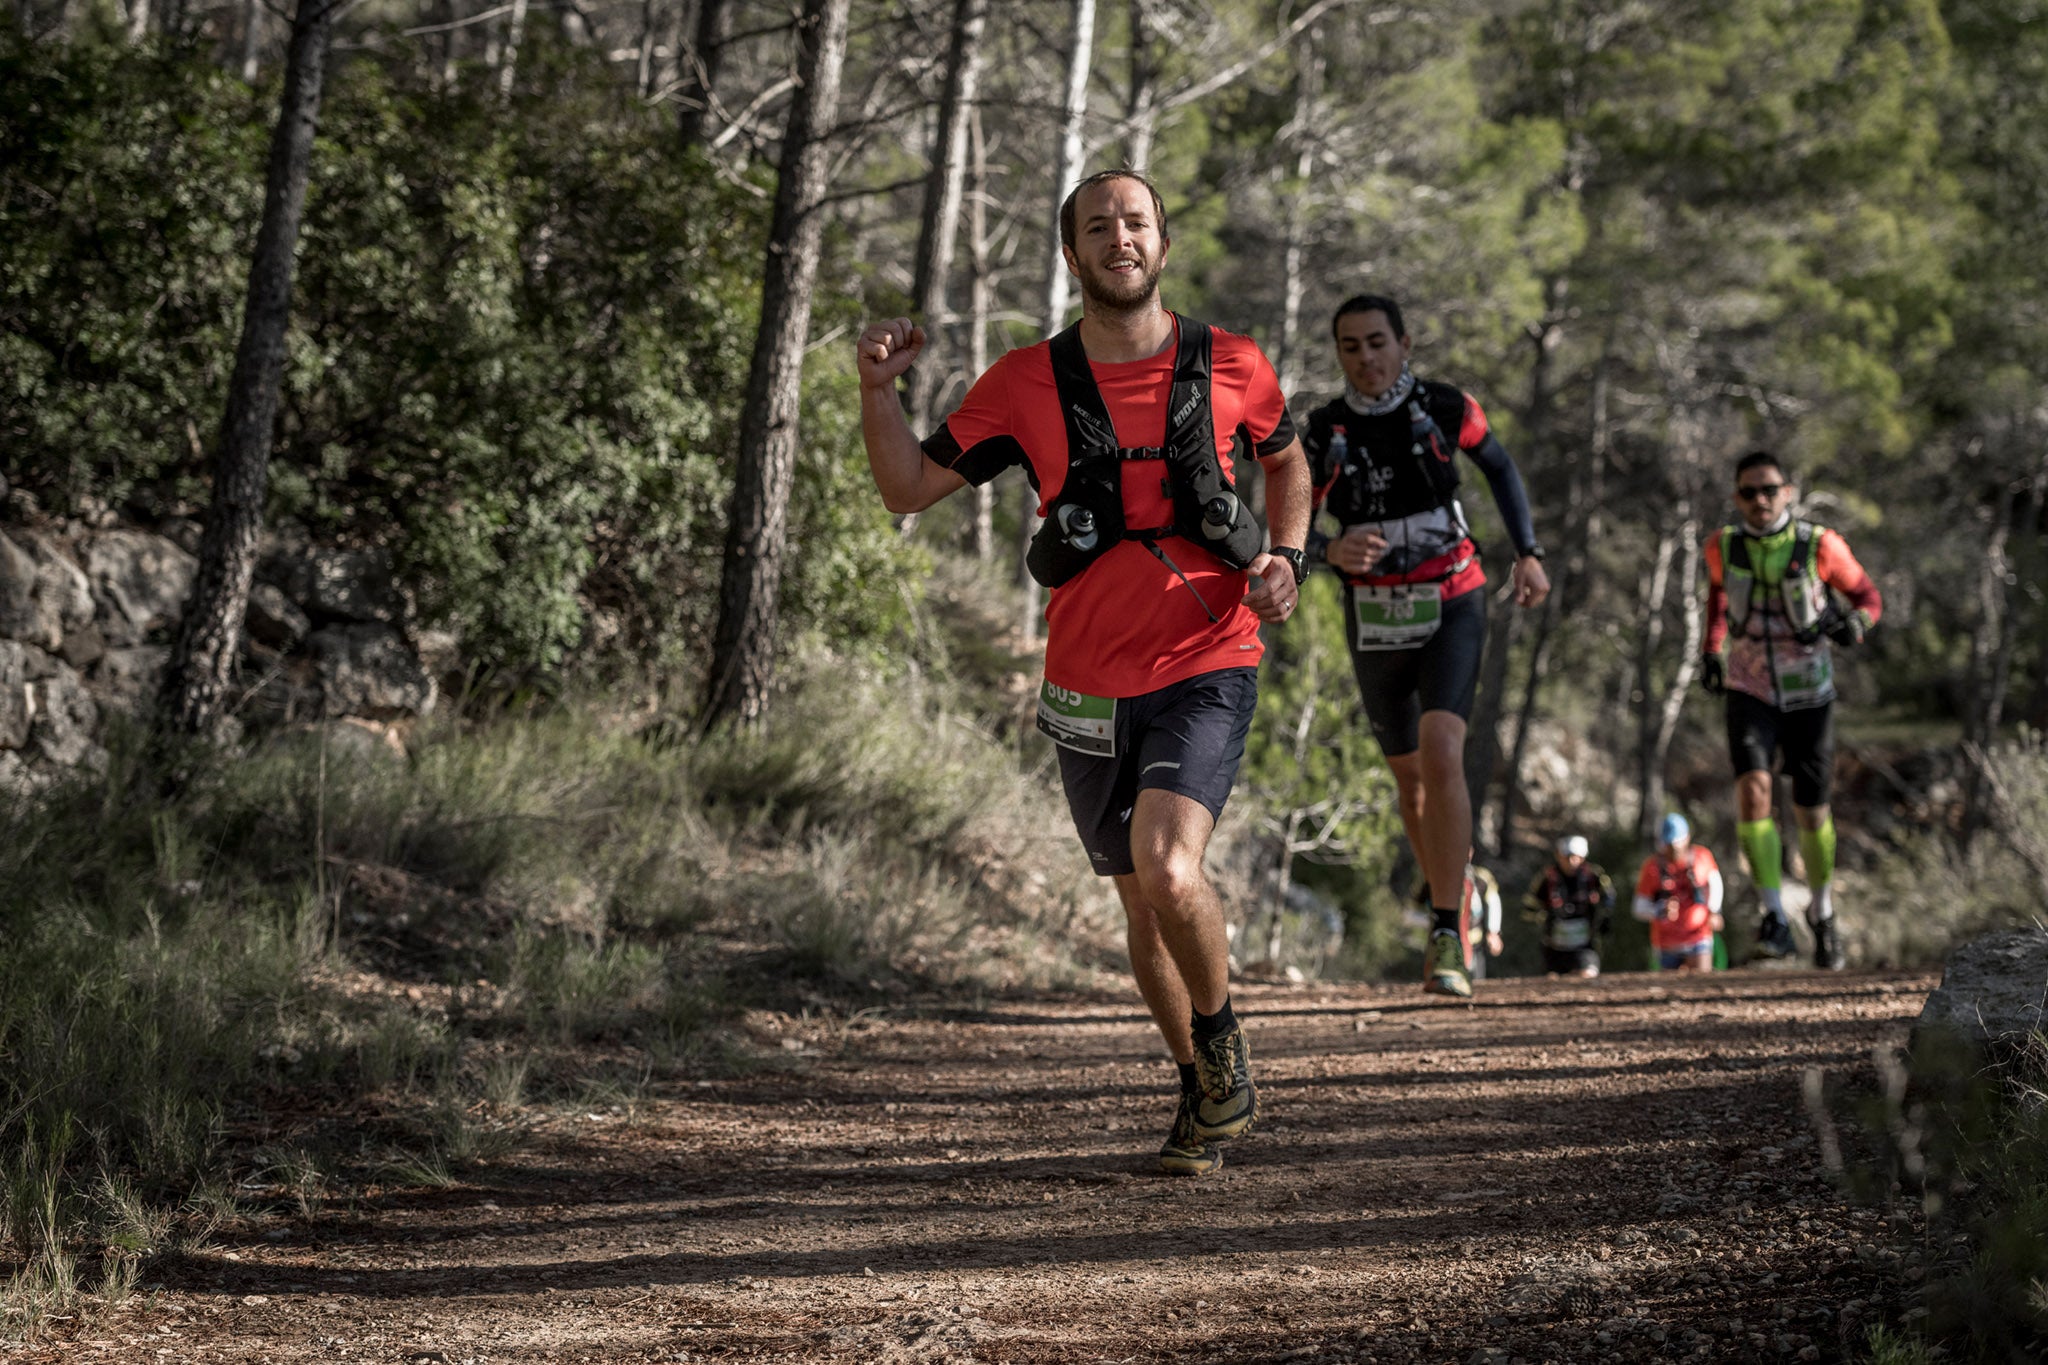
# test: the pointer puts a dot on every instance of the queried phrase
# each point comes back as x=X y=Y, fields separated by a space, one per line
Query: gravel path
x=1590 y=1171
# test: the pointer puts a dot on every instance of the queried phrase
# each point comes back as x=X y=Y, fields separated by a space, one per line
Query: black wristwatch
x=1534 y=552
x=1296 y=561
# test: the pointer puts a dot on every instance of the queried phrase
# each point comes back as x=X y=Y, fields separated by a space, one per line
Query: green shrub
x=517 y=358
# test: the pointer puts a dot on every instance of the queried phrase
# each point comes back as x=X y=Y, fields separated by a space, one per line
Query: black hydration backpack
x=1087 y=517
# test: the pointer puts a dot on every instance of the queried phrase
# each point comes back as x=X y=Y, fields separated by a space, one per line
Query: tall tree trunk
x=450 y=37
x=1525 y=718
x=1482 y=736
x=1643 y=695
x=698 y=83
x=1065 y=175
x=980 y=303
x=138 y=20
x=743 y=646
x=202 y=663
x=1308 y=84
x=643 y=57
x=1991 y=644
x=1141 y=112
x=1694 y=617
x=508 y=57
x=1545 y=337
x=938 y=227
x=252 y=39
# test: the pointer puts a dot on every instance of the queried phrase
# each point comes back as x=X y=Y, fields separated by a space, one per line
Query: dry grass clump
x=522 y=911
x=1933 y=891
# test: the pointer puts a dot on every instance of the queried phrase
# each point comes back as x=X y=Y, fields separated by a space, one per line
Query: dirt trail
x=1610 y=1170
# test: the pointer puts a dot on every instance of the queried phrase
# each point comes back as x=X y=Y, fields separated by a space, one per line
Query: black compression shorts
x=1187 y=737
x=1757 y=731
x=1441 y=674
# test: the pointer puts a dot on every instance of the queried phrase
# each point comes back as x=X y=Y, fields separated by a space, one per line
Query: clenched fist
x=886 y=350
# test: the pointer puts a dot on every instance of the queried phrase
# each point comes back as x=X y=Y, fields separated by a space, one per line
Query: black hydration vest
x=1087 y=518
x=1408 y=438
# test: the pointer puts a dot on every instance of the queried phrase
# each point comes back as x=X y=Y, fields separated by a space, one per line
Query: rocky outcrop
x=1994 y=990
x=140 y=583
x=89 y=612
x=43 y=595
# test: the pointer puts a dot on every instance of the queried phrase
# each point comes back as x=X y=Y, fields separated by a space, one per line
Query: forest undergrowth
x=321 y=964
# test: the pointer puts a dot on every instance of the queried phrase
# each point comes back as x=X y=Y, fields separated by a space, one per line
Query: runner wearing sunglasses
x=1782 y=592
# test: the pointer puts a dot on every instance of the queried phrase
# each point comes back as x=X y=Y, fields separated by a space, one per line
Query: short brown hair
x=1102 y=177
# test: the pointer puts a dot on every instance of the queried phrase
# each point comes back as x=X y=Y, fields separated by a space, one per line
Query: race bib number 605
x=1077 y=721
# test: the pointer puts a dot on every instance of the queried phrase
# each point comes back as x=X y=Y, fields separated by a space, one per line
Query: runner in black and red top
x=1152 y=627
x=1382 y=456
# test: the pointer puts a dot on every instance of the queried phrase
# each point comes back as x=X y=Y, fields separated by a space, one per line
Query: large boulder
x=43 y=595
x=141 y=583
x=368 y=670
x=1994 y=989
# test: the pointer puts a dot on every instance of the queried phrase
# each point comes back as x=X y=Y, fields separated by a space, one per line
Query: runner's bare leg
x=1436 y=810
x=1166 y=995
x=1170 y=892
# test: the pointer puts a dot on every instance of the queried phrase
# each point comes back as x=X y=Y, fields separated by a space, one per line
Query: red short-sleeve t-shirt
x=1127 y=625
x=1664 y=882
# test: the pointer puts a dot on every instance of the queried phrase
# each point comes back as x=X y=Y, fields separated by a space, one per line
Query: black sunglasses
x=1759 y=490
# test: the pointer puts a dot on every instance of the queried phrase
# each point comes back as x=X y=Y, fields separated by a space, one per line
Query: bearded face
x=1123 y=278
x=1118 y=250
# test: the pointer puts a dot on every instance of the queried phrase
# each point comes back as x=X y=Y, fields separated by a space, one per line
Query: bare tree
x=743 y=646
x=202 y=663
x=938 y=226
x=980 y=300
x=508 y=55
x=1057 y=294
x=697 y=85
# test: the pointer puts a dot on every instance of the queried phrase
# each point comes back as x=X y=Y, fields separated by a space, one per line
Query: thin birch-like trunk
x=508 y=57
x=980 y=303
x=252 y=39
x=1057 y=291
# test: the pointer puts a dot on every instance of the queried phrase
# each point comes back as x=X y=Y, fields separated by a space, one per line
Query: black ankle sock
x=1446 y=921
x=1214 y=1025
x=1188 y=1083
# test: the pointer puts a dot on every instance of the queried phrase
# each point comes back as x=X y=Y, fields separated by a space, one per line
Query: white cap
x=1574 y=846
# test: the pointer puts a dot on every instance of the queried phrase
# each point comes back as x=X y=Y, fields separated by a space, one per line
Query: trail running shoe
x=1774 y=937
x=1184 y=1152
x=1227 y=1102
x=1443 y=968
x=1827 y=947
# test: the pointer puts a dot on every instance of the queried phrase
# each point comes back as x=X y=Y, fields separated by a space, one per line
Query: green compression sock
x=1817 y=846
x=1759 y=839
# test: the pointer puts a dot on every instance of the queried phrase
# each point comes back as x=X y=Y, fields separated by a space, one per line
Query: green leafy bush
x=519 y=346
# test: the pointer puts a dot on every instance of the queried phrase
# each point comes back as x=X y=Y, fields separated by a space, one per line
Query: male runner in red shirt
x=1152 y=644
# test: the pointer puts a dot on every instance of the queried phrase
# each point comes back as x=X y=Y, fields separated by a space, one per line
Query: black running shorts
x=1757 y=730
x=1187 y=737
x=1440 y=674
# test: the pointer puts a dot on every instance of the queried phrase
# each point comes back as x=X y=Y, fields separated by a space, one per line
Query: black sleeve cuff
x=977 y=464
x=1279 y=439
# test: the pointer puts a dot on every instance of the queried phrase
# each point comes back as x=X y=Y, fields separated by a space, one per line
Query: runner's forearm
x=1508 y=494
x=899 y=465
x=1287 y=496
